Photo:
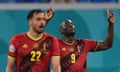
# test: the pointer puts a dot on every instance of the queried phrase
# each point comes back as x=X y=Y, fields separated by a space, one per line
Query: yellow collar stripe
x=35 y=39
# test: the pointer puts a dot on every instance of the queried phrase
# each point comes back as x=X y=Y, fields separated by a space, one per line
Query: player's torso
x=73 y=57
x=34 y=55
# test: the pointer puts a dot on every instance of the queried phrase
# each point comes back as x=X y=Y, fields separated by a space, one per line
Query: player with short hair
x=32 y=51
x=74 y=51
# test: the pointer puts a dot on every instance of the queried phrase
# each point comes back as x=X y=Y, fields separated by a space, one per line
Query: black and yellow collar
x=67 y=42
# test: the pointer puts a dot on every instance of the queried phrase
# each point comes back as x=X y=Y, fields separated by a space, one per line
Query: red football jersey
x=33 y=55
x=73 y=56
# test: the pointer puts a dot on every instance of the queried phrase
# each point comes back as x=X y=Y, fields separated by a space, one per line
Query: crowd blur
x=59 y=1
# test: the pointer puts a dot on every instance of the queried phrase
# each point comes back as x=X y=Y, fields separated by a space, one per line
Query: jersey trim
x=55 y=56
x=11 y=57
x=96 y=46
x=67 y=42
x=35 y=39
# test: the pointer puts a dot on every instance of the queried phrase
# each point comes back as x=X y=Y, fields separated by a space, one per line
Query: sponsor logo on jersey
x=25 y=46
x=64 y=49
x=79 y=48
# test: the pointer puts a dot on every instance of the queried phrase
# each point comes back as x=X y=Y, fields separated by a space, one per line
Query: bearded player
x=32 y=51
x=74 y=52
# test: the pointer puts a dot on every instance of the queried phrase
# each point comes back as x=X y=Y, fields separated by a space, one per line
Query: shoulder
x=84 y=39
x=59 y=39
x=50 y=36
x=88 y=40
x=18 y=36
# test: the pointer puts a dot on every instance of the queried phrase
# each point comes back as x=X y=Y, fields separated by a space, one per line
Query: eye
x=38 y=19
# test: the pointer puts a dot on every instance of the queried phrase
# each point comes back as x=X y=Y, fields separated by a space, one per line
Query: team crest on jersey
x=45 y=46
x=79 y=48
x=11 y=48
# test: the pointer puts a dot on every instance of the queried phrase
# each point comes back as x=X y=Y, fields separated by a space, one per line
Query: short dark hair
x=30 y=14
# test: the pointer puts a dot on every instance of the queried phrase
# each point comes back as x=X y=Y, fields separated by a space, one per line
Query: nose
x=71 y=26
x=43 y=22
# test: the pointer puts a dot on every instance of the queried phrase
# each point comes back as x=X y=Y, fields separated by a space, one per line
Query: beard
x=39 y=30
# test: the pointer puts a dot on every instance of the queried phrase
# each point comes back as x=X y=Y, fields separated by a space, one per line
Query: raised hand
x=49 y=13
x=111 y=17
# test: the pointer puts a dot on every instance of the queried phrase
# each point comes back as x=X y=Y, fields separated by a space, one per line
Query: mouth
x=41 y=26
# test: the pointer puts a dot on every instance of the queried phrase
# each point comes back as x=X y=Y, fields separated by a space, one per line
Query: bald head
x=67 y=28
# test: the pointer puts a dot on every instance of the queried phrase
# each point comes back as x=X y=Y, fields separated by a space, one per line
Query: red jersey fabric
x=33 y=56
x=73 y=57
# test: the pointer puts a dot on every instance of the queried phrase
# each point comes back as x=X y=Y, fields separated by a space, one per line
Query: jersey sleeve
x=12 y=48
x=91 y=44
x=55 y=50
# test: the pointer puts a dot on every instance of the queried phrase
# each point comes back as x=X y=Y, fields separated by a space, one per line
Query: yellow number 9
x=72 y=58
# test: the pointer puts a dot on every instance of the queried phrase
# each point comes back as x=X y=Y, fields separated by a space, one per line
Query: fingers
x=109 y=13
x=107 y=10
x=111 y=17
x=51 y=9
x=49 y=13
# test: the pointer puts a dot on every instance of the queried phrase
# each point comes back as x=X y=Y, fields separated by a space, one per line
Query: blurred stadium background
x=89 y=17
x=58 y=1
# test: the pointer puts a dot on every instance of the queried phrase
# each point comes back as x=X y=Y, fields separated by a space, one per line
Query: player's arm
x=109 y=39
x=11 y=56
x=55 y=59
x=56 y=64
x=10 y=64
x=49 y=14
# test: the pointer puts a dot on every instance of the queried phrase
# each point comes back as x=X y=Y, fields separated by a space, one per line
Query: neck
x=68 y=40
x=34 y=34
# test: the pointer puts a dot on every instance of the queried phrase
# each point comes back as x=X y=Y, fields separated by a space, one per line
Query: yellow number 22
x=35 y=55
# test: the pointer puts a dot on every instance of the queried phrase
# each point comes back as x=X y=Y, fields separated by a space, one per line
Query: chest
x=67 y=49
x=33 y=48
